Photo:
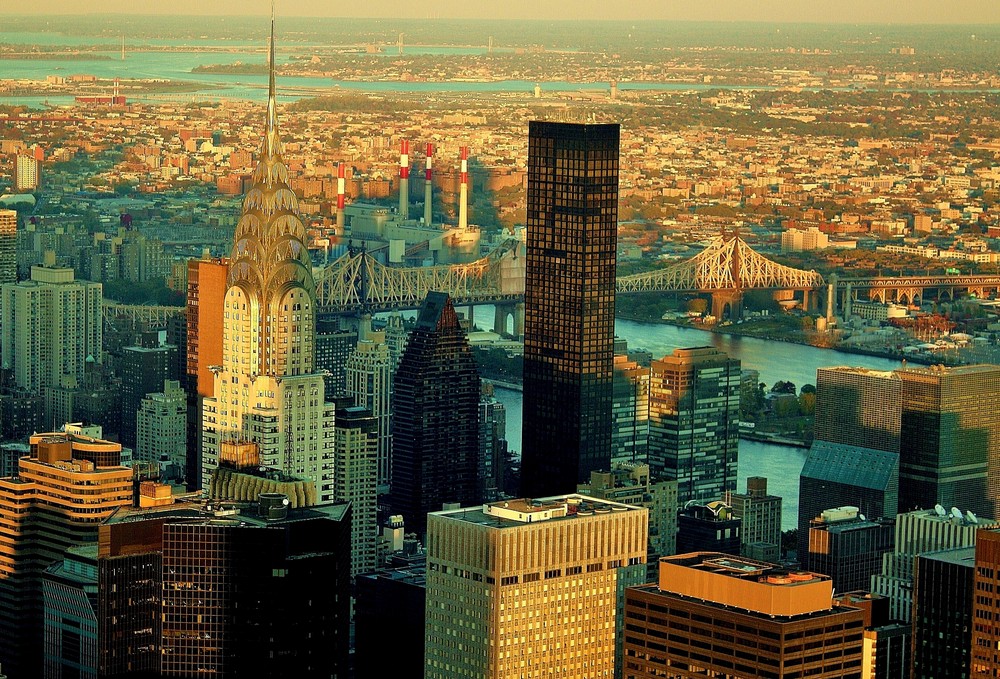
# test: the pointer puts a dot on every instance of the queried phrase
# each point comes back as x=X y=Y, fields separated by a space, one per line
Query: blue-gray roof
x=851 y=465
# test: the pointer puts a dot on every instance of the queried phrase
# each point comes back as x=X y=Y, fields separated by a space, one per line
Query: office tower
x=942 y=613
x=492 y=444
x=761 y=514
x=27 y=173
x=259 y=596
x=334 y=347
x=70 y=605
x=844 y=475
x=694 y=412
x=950 y=438
x=389 y=623
x=144 y=369
x=986 y=607
x=848 y=547
x=8 y=246
x=161 y=428
x=630 y=411
x=62 y=492
x=569 y=304
x=741 y=618
x=709 y=527
x=435 y=427
x=886 y=649
x=355 y=476
x=206 y=293
x=858 y=407
x=631 y=484
x=267 y=390
x=921 y=532
x=369 y=383
x=20 y=414
x=51 y=325
x=541 y=584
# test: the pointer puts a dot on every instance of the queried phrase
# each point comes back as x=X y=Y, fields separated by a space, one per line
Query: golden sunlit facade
x=267 y=391
x=530 y=588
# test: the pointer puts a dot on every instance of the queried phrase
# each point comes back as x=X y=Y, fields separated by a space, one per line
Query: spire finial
x=271 y=134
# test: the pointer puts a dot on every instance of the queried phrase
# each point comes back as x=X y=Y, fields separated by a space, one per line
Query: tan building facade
x=530 y=588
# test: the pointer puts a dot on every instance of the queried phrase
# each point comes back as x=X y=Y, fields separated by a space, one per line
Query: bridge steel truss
x=727 y=264
x=357 y=282
x=907 y=288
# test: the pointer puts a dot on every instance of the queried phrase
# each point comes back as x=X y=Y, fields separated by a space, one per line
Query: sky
x=839 y=11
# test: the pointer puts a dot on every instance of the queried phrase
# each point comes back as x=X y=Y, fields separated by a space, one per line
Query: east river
x=774 y=360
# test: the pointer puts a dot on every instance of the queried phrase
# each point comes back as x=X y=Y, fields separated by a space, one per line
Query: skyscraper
x=369 y=383
x=569 y=304
x=694 y=410
x=761 y=514
x=435 y=456
x=630 y=408
x=355 y=474
x=51 y=325
x=950 y=438
x=63 y=490
x=8 y=246
x=144 y=369
x=858 y=407
x=530 y=588
x=986 y=607
x=27 y=172
x=161 y=427
x=943 y=595
x=267 y=391
x=848 y=547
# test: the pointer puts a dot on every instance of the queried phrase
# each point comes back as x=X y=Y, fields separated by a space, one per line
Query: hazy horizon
x=958 y=12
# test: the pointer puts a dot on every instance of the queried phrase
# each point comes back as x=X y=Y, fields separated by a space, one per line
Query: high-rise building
x=848 y=547
x=369 y=383
x=63 y=490
x=530 y=588
x=709 y=527
x=51 y=325
x=630 y=412
x=943 y=595
x=569 y=304
x=8 y=246
x=267 y=390
x=886 y=643
x=334 y=347
x=161 y=428
x=761 y=514
x=740 y=618
x=858 y=407
x=355 y=476
x=844 y=475
x=27 y=173
x=950 y=438
x=921 y=532
x=694 y=412
x=70 y=600
x=396 y=337
x=261 y=597
x=206 y=294
x=492 y=444
x=986 y=607
x=631 y=484
x=389 y=623
x=144 y=369
x=943 y=421
x=435 y=428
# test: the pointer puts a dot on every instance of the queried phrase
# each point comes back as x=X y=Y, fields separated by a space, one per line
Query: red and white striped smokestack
x=463 y=196
x=341 y=190
x=428 y=186
x=404 y=179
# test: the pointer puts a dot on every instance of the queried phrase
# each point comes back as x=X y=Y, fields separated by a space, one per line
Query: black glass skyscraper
x=569 y=304
x=435 y=427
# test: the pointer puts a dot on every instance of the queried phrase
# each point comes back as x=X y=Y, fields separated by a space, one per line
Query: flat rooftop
x=511 y=513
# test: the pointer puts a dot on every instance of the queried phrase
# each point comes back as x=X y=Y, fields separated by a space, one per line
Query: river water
x=774 y=360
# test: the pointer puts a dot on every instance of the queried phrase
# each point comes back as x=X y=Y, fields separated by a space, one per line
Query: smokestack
x=463 y=196
x=428 y=187
x=404 y=179
x=340 y=198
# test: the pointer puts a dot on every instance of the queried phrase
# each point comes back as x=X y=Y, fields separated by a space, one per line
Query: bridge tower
x=730 y=299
